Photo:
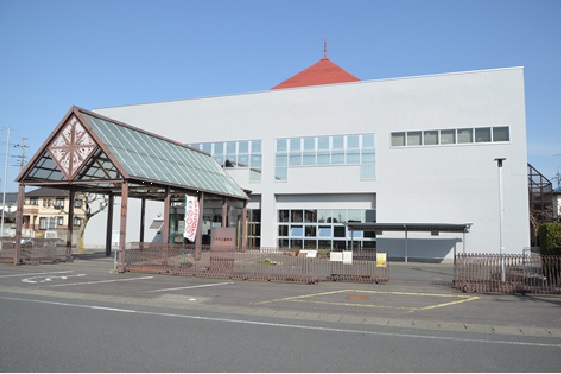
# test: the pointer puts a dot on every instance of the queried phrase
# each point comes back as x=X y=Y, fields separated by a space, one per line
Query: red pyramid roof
x=322 y=72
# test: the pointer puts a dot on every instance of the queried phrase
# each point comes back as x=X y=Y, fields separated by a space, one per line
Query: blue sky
x=102 y=53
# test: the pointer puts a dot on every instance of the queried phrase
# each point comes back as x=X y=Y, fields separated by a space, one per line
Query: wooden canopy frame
x=78 y=157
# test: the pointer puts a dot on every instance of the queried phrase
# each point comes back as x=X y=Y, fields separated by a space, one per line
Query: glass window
x=352 y=141
x=296 y=230
x=430 y=137
x=295 y=159
x=296 y=243
x=367 y=156
x=310 y=244
x=309 y=158
x=281 y=145
x=398 y=139
x=323 y=215
x=310 y=216
x=231 y=147
x=309 y=144
x=482 y=134
x=355 y=215
x=353 y=157
x=281 y=174
x=243 y=160
x=256 y=146
x=448 y=136
x=339 y=231
x=465 y=136
x=322 y=158
x=295 y=144
x=324 y=231
x=323 y=142
x=243 y=146
x=59 y=203
x=283 y=230
x=284 y=216
x=324 y=244
x=368 y=141
x=284 y=243
x=219 y=148
x=500 y=134
x=414 y=138
x=337 y=157
x=297 y=216
x=77 y=203
x=310 y=230
x=280 y=159
x=256 y=160
x=338 y=142
x=339 y=215
x=207 y=147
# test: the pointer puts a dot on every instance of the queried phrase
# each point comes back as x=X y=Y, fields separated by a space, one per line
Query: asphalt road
x=83 y=317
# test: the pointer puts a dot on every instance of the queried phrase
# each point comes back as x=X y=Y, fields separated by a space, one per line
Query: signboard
x=222 y=237
x=191 y=217
x=381 y=259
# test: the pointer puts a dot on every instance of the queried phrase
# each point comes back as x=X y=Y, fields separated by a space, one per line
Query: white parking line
x=288 y=325
x=101 y=281
x=28 y=274
x=200 y=285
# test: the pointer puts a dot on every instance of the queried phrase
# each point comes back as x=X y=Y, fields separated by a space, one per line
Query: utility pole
x=5 y=178
x=22 y=156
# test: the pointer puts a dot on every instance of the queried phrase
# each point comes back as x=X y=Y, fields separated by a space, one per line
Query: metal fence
x=271 y=264
x=34 y=251
x=532 y=273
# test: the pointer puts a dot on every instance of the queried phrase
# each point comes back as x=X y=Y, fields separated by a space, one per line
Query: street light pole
x=500 y=172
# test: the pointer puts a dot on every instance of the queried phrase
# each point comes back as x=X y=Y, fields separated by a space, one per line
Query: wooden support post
x=199 y=236
x=167 y=205
x=165 y=229
x=244 y=225
x=123 y=226
x=142 y=219
x=70 y=230
x=224 y=212
x=109 y=230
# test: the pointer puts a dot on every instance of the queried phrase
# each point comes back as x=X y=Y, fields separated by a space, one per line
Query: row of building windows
x=238 y=154
x=58 y=202
x=355 y=149
x=52 y=223
x=322 y=228
x=451 y=136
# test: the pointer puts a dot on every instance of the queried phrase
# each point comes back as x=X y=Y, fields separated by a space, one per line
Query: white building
x=324 y=148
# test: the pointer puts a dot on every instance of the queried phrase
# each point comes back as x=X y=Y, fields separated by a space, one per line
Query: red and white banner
x=191 y=217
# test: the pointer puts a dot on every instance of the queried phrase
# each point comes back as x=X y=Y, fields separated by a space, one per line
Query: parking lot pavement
x=417 y=294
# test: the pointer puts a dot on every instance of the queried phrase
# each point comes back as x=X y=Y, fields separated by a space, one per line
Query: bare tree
x=92 y=204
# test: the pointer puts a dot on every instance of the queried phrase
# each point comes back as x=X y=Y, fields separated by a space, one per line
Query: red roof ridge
x=322 y=72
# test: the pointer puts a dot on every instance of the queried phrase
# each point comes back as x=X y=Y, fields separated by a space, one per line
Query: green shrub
x=549 y=236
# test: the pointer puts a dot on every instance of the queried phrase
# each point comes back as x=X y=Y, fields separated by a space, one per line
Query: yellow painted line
x=305 y=298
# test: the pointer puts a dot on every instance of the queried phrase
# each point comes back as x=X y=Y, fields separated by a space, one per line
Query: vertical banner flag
x=191 y=217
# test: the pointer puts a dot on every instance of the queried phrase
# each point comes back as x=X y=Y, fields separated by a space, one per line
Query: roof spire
x=325 y=48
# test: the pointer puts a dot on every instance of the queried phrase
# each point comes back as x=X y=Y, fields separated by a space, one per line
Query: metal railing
x=271 y=264
x=531 y=273
x=34 y=250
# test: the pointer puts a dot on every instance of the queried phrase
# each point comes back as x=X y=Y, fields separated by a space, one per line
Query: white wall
x=444 y=184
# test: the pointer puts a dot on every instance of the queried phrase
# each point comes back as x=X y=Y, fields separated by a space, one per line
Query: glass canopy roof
x=98 y=153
